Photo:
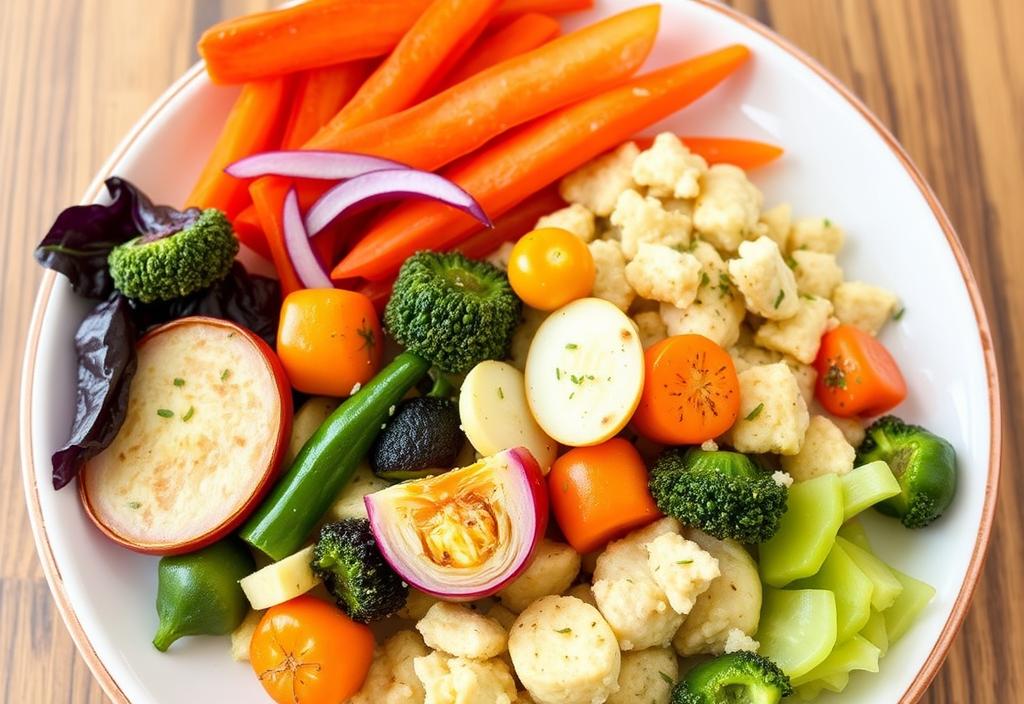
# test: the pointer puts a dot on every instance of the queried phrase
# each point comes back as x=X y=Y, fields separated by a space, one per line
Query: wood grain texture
x=947 y=76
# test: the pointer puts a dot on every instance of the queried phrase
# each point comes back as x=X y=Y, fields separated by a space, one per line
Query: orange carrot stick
x=506 y=172
x=249 y=232
x=549 y=7
x=744 y=153
x=304 y=36
x=268 y=199
x=319 y=94
x=253 y=125
x=443 y=32
x=522 y=34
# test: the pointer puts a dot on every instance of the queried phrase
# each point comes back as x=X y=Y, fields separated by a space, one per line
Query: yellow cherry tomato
x=550 y=267
x=329 y=340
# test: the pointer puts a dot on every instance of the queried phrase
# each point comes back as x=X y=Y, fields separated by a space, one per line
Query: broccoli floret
x=454 y=311
x=169 y=265
x=722 y=493
x=346 y=558
x=737 y=678
x=924 y=465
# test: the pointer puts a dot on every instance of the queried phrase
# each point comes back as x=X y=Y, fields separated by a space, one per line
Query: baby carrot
x=319 y=94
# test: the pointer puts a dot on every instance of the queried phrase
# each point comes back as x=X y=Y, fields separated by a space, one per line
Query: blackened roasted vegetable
x=422 y=436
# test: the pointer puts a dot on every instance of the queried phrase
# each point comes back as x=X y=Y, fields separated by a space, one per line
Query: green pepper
x=198 y=593
x=328 y=460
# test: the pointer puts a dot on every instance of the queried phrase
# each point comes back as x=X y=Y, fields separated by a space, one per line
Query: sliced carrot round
x=691 y=393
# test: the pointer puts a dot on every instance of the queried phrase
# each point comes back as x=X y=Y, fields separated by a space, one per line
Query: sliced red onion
x=307 y=267
x=368 y=189
x=329 y=166
x=467 y=549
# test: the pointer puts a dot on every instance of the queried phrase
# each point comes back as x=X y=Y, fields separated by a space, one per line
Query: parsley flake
x=572 y=346
x=899 y=313
x=684 y=562
x=563 y=631
x=225 y=374
x=178 y=381
x=501 y=394
x=778 y=299
x=134 y=505
x=165 y=413
x=188 y=414
x=835 y=377
x=668 y=680
x=755 y=413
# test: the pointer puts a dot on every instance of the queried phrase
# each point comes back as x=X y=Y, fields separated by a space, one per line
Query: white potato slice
x=585 y=372
x=495 y=415
x=280 y=581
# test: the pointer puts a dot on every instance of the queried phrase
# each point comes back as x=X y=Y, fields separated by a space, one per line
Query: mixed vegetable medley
x=536 y=410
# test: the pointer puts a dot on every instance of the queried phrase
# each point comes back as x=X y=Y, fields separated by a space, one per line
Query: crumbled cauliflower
x=779 y=426
x=564 y=652
x=733 y=601
x=643 y=219
x=679 y=205
x=459 y=631
x=553 y=568
x=766 y=281
x=746 y=356
x=392 y=677
x=501 y=256
x=650 y=328
x=417 y=605
x=660 y=273
x=717 y=312
x=597 y=184
x=817 y=235
x=727 y=209
x=709 y=446
x=681 y=569
x=574 y=218
x=777 y=222
x=448 y=680
x=800 y=335
x=710 y=260
x=646 y=677
x=522 y=338
x=634 y=605
x=610 y=280
x=736 y=640
x=817 y=273
x=864 y=306
x=824 y=451
x=668 y=169
x=782 y=479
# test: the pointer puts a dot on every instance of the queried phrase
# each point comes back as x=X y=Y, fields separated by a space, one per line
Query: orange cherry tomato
x=599 y=493
x=550 y=267
x=691 y=393
x=856 y=374
x=306 y=651
x=329 y=340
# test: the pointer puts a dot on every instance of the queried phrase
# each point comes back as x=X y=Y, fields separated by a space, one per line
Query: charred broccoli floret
x=924 y=465
x=163 y=266
x=346 y=558
x=723 y=493
x=451 y=310
x=737 y=678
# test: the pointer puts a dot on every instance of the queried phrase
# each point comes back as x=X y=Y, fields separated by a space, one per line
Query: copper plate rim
x=938 y=653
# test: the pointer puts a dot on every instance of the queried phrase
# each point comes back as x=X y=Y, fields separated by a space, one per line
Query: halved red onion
x=307 y=267
x=467 y=533
x=329 y=166
x=377 y=186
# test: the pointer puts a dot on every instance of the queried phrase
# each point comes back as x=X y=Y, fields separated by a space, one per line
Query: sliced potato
x=281 y=581
x=495 y=415
x=241 y=637
x=585 y=372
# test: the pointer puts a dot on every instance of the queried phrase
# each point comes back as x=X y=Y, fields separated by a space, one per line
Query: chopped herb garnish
x=807 y=297
x=165 y=413
x=188 y=414
x=501 y=394
x=572 y=346
x=755 y=413
x=724 y=285
x=684 y=562
x=563 y=630
x=668 y=680
x=828 y=223
x=704 y=278
x=572 y=395
x=225 y=374
x=778 y=299
x=134 y=504
x=178 y=381
x=576 y=379
x=899 y=313
x=791 y=263
x=558 y=373
x=835 y=377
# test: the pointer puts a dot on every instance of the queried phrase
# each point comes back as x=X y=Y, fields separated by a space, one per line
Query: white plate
x=839 y=162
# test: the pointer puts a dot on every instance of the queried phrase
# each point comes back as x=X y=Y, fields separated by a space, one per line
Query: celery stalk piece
x=911 y=602
x=806 y=532
x=837 y=682
x=887 y=587
x=874 y=630
x=855 y=654
x=867 y=485
x=853 y=530
x=851 y=587
x=798 y=628
x=812 y=690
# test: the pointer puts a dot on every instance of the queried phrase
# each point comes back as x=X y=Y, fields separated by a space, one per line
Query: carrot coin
x=691 y=393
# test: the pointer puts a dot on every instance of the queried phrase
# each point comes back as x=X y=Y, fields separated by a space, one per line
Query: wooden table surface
x=946 y=76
